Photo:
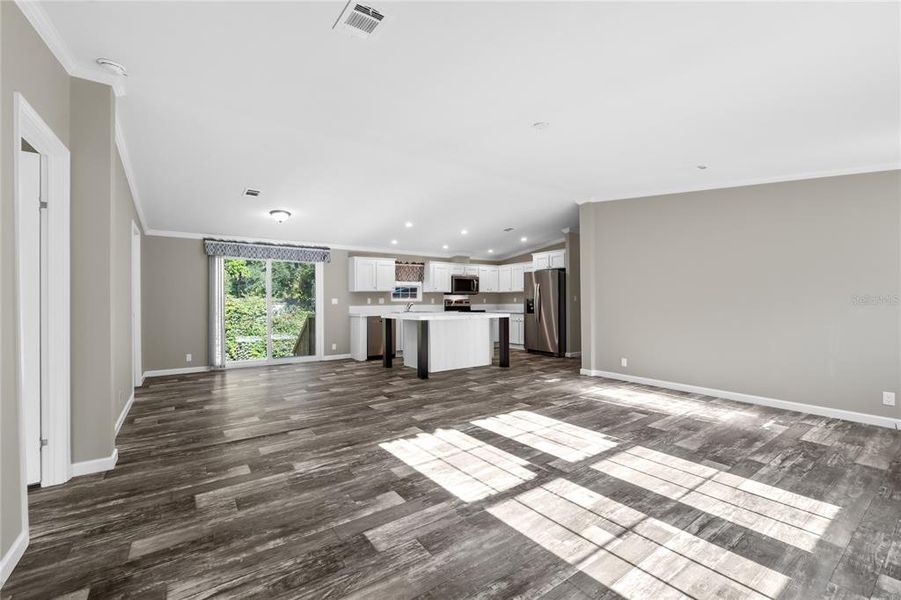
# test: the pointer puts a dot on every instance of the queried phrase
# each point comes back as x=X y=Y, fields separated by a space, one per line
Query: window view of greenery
x=293 y=306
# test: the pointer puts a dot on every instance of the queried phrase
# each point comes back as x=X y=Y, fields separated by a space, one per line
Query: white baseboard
x=9 y=560
x=124 y=412
x=98 y=465
x=336 y=357
x=573 y=354
x=813 y=409
x=181 y=371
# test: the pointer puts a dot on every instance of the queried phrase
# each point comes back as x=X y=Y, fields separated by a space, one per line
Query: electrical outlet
x=334 y=301
x=624 y=362
x=368 y=300
x=188 y=358
x=433 y=301
x=888 y=398
x=334 y=346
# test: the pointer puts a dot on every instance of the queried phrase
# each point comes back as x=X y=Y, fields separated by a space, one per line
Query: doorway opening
x=41 y=224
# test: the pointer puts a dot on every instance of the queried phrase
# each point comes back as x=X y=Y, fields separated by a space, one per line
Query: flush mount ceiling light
x=541 y=125
x=463 y=232
x=280 y=216
x=702 y=167
x=523 y=239
x=408 y=224
x=113 y=67
x=444 y=247
x=394 y=242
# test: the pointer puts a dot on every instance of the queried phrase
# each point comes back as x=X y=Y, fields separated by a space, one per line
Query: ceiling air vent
x=359 y=20
x=251 y=193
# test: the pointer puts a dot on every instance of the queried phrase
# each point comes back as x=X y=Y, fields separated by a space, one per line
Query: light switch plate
x=624 y=362
x=188 y=358
x=334 y=346
x=888 y=398
x=334 y=301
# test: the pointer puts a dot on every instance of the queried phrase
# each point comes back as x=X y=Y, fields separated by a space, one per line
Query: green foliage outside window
x=293 y=301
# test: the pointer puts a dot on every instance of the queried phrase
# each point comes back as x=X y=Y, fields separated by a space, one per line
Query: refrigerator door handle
x=538 y=302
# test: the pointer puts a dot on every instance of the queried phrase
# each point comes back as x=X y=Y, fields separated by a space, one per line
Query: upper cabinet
x=368 y=274
x=553 y=259
x=438 y=277
x=510 y=277
x=488 y=278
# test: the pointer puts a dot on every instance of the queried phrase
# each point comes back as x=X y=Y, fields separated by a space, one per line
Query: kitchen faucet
x=409 y=307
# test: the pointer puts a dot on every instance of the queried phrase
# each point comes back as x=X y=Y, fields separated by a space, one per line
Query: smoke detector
x=359 y=20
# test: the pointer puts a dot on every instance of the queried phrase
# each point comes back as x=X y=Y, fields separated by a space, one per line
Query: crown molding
x=40 y=20
x=748 y=182
x=129 y=174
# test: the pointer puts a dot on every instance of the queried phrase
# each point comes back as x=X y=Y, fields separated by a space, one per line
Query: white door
x=29 y=266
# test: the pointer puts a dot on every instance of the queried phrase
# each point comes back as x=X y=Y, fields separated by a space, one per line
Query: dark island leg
x=422 y=343
x=504 y=341
x=388 y=339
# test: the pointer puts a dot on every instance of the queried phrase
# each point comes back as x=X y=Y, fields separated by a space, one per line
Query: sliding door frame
x=319 y=332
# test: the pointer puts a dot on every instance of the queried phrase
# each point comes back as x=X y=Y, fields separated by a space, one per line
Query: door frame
x=319 y=271
x=56 y=464
x=137 y=373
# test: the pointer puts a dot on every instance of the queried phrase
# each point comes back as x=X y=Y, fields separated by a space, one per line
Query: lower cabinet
x=517 y=331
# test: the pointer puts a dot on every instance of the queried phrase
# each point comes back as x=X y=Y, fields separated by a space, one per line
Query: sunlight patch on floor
x=669 y=405
x=629 y=552
x=463 y=465
x=771 y=511
x=569 y=442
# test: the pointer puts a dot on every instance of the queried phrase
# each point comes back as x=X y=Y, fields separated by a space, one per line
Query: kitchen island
x=442 y=341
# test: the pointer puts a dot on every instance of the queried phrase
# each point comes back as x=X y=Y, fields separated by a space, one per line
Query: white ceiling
x=431 y=121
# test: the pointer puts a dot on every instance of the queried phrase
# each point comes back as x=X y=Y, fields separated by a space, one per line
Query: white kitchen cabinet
x=517 y=276
x=470 y=269
x=456 y=269
x=368 y=274
x=505 y=278
x=488 y=278
x=437 y=277
x=553 y=259
x=517 y=324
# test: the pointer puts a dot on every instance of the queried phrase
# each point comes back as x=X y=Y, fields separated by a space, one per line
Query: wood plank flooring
x=347 y=480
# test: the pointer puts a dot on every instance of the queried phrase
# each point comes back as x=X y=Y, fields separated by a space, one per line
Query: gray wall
x=174 y=303
x=750 y=289
x=26 y=66
x=573 y=292
x=124 y=214
x=92 y=150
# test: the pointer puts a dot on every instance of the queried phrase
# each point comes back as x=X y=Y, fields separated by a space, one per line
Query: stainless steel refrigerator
x=545 y=311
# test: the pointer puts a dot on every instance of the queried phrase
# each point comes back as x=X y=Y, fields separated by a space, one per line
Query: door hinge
x=42 y=205
x=44 y=442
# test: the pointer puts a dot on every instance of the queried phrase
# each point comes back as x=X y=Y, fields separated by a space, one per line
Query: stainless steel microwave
x=464 y=284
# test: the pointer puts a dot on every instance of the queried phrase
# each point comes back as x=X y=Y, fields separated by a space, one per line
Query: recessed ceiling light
x=280 y=216
x=702 y=167
x=541 y=125
x=463 y=232
x=408 y=224
x=490 y=251
x=113 y=67
x=394 y=242
x=523 y=239
x=444 y=247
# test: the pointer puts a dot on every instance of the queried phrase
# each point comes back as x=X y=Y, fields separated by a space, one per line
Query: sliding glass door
x=269 y=310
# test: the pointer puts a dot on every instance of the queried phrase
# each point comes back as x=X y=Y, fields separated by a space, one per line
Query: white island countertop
x=444 y=316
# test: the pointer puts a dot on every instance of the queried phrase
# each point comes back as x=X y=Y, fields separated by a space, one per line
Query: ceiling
x=431 y=121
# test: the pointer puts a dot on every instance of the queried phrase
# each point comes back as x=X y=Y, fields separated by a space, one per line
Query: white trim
x=136 y=335
x=97 y=465
x=181 y=371
x=48 y=32
x=55 y=422
x=125 y=409
x=573 y=354
x=336 y=357
x=747 y=182
x=320 y=309
x=9 y=560
x=125 y=157
x=835 y=413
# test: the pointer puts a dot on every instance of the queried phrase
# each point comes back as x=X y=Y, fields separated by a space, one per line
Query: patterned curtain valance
x=263 y=251
x=409 y=271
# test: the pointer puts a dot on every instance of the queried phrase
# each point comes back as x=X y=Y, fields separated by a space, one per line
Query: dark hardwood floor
x=344 y=479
